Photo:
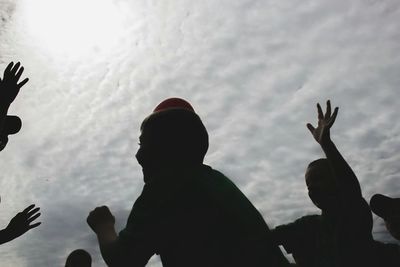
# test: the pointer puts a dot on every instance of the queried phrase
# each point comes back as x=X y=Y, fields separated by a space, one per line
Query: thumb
x=311 y=128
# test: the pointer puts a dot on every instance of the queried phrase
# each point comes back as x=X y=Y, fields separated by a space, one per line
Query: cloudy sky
x=253 y=70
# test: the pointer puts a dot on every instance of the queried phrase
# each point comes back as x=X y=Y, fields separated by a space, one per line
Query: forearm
x=116 y=254
x=107 y=239
x=3 y=115
x=5 y=236
x=344 y=175
x=109 y=252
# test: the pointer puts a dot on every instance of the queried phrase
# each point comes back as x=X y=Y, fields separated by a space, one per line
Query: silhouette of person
x=9 y=89
x=79 y=258
x=389 y=210
x=341 y=235
x=188 y=213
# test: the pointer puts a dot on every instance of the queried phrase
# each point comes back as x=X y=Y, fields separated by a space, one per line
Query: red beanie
x=175 y=122
x=173 y=103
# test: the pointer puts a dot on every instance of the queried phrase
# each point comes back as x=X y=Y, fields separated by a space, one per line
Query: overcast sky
x=253 y=70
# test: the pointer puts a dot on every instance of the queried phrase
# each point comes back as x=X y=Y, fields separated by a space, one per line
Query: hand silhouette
x=321 y=134
x=21 y=223
x=100 y=219
x=9 y=86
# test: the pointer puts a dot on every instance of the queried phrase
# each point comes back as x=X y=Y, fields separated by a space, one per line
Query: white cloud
x=253 y=70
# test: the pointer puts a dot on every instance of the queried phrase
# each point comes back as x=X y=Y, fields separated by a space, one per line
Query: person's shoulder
x=303 y=223
x=215 y=178
x=358 y=212
x=310 y=218
x=309 y=221
x=207 y=170
x=223 y=191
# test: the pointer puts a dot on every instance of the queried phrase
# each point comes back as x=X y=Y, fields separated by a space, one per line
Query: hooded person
x=188 y=213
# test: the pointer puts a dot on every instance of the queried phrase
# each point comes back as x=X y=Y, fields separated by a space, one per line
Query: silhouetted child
x=79 y=258
x=9 y=88
x=341 y=235
x=188 y=213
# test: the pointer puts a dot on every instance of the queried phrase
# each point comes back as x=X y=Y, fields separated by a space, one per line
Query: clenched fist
x=101 y=219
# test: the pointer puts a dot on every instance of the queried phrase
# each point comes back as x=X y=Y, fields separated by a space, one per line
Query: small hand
x=21 y=223
x=9 y=86
x=101 y=219
x=321 y=134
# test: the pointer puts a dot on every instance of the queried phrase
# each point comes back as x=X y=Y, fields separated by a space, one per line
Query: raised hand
x=9 y=86
x=21 y=223
x=101 y=219
x=321 y=134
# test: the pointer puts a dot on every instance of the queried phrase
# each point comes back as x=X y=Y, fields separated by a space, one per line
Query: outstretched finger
x=30 y=213
x=328 y=109
x=320 y=114
x=23 y=83
x=27 y=209
x=333 y=118
x=19 y=73
x=15 y=68
x=33 y=218
x=310 y=127
x=8 y=68
x=34 y=225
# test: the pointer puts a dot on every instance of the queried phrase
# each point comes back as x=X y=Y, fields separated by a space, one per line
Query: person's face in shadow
x=171 y=142
x=321 y=187
x=157 y=154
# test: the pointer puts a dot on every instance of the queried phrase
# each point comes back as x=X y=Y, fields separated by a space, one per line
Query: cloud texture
x=253 y=70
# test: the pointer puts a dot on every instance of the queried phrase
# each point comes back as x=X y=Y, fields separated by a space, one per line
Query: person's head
x=172 y=137
x=12 y=125
x=388 y=209
x=321 y=184
x=79 y=258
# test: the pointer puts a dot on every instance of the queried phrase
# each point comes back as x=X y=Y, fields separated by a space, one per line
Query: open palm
x=321 y=133
x=22 y=222
x=9 y=86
